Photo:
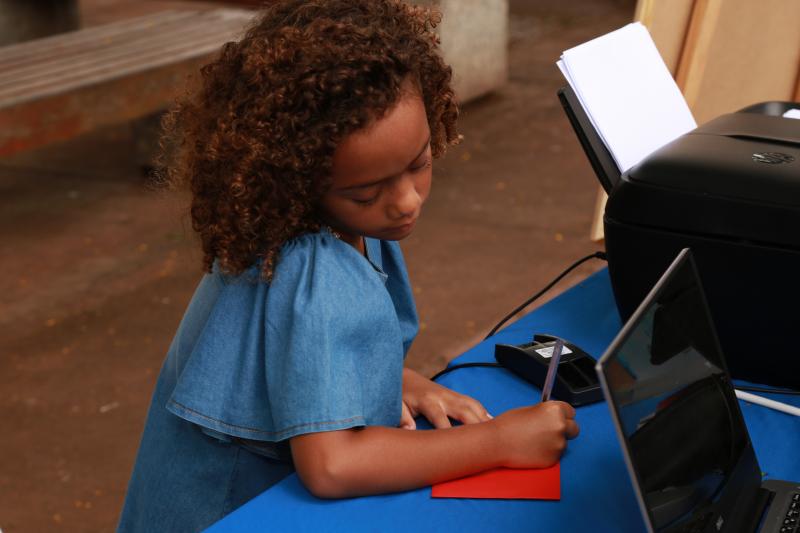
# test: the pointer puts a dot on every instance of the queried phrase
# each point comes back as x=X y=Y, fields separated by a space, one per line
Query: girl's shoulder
x=309 y=244
x=322 y=257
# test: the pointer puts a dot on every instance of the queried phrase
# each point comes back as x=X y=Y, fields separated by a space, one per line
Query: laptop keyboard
x=790 y=522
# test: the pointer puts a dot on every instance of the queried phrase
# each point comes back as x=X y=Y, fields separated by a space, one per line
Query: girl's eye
x=365 y=202
x=424 y=165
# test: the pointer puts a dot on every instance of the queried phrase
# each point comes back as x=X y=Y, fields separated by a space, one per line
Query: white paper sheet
x=792 y=113
x=628 y=93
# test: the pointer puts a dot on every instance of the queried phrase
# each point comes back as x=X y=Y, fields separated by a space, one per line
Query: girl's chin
x=397 y=233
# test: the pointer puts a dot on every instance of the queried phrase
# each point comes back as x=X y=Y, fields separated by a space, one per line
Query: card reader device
x=575 y=381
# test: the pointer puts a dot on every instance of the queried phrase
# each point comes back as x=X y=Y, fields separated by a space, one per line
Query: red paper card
x=508 y=483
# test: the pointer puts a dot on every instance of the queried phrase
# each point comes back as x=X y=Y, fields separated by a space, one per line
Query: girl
x=308 y=152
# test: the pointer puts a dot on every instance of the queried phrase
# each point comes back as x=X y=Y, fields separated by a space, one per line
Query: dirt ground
x=98 y=269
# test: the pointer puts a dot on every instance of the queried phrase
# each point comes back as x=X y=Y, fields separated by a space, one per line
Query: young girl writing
x=308 y=150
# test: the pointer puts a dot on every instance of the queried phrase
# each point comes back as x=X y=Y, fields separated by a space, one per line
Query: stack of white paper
x=627 y=92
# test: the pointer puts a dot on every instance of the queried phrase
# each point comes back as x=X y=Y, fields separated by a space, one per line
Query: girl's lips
x=404 y=227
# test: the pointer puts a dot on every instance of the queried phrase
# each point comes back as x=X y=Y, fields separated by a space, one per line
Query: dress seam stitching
x=271 y=433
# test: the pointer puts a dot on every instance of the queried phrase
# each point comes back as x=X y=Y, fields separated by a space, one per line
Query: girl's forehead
x=385 y=148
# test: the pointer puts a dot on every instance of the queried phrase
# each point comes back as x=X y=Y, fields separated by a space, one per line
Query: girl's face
x=381 y=175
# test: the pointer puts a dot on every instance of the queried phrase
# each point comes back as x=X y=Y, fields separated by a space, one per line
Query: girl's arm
x=378 y=459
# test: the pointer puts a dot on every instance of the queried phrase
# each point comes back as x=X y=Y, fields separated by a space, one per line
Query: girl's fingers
x=467 y=411
x=437 y=416
x=567 y=409
x=572 y=429
x=480 y=411
x=473 y=413
x=406 y=419
x=467 y=416
x=440 y=408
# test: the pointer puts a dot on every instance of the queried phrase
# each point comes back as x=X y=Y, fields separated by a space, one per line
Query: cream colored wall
x=474 y=41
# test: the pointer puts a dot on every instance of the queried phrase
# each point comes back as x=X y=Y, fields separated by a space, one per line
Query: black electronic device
x=576 y=380
x=685 y=442
x=730 y=190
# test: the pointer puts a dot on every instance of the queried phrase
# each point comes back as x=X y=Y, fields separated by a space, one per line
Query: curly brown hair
x=255 y=140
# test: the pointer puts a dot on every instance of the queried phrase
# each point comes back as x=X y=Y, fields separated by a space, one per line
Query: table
x=596 y=493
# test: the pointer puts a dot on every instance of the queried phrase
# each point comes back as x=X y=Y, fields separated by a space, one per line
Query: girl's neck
x=356 y=241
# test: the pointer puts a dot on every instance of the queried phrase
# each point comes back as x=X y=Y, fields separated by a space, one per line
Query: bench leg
x=23 y=20
x=146 y=133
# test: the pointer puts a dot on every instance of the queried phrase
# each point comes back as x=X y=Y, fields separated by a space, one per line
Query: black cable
x=768 y=390
x=598 y=255
x=449 y=369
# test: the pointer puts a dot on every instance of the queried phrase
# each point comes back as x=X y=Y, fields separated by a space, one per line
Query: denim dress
x=319 y=348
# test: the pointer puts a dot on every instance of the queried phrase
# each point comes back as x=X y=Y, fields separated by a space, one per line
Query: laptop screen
x=674 y=405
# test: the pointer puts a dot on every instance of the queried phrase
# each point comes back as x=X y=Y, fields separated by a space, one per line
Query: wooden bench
x=58 y=87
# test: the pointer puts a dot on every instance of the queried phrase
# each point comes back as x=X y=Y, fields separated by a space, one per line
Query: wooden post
x=23 y=20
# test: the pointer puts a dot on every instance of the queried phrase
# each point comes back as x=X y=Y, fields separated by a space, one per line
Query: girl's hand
x=536 y=436
x=438 y=404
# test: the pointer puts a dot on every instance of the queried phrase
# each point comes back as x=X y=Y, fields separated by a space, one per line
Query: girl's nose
x=406 y=200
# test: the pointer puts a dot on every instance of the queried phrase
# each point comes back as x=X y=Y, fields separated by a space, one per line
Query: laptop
x=683 y=437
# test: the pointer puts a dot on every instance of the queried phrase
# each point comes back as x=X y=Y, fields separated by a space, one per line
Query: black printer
x=730 y=191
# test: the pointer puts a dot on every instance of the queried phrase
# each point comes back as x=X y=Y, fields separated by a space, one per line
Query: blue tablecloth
x=596 y=493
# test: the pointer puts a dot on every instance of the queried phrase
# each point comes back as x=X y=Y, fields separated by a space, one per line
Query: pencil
x=552 y=369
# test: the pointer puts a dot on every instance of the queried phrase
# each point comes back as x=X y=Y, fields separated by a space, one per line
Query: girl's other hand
x=438 y=404
x=536 y=436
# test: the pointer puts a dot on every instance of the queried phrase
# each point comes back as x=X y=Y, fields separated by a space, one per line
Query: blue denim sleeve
x=319 y=348
x=334 y=342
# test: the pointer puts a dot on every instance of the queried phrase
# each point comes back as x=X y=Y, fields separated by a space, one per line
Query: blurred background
x=98 y=267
